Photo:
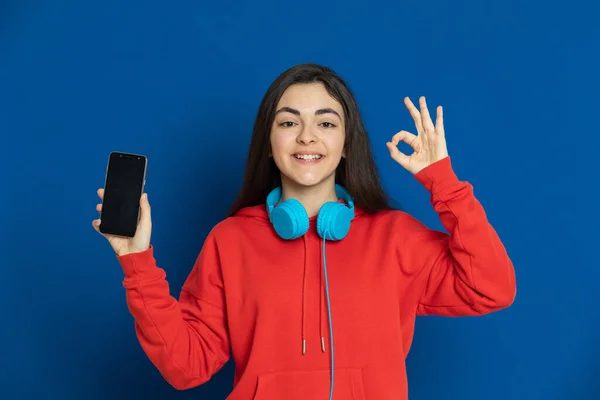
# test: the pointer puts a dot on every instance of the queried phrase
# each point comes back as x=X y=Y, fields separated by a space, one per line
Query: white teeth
x=308 y=157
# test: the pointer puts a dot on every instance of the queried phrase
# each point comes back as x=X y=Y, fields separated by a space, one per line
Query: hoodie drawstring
x=321 y=309
x=330 y=327
x=304 y=298
x=323 y=271
x=321 y=301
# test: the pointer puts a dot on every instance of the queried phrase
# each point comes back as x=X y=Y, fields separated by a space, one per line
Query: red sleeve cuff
x=138 y=264
x=437 y=176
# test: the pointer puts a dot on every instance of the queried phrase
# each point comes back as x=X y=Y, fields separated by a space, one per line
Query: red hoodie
x=263 y=299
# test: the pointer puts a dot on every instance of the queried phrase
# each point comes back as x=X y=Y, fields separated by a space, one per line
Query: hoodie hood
x=260 y=212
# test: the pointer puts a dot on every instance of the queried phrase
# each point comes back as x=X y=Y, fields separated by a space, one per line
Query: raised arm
x=465 y=272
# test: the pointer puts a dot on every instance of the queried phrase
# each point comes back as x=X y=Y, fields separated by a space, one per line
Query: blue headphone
x=290 y=219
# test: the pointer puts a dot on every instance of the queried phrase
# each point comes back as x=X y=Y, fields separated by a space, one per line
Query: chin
x=308 y=181
x=307 y=176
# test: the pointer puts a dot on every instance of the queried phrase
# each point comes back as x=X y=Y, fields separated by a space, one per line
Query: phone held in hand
x=123 y=187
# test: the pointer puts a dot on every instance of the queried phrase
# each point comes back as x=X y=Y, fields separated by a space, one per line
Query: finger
x=397 y=155
x=145 y=209
x=439 y=121
x=99 y=208
x=414 y=113
x=96 y=225
x=144 y=203
x=101 y=193
x=425 y=117
x=409 y=138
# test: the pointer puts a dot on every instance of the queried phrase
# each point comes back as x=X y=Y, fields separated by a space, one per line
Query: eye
x=328 y=125
x=287 y=124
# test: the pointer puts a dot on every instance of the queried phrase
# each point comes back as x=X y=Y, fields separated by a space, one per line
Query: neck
x=311 y=197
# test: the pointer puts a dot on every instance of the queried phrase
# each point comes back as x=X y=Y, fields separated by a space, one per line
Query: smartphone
x=123 y=187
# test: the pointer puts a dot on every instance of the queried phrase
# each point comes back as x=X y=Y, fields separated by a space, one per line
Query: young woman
x=313 y=282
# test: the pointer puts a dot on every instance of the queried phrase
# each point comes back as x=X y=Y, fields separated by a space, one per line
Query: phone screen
x=124 y=185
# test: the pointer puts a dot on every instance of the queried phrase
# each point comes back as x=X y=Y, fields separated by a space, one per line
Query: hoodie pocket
x=315 y=384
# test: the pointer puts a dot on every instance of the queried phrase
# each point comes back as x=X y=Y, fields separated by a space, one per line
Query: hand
x=140 y=241
x=429 y=145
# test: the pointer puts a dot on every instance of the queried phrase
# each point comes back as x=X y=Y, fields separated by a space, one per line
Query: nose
x=306 y=136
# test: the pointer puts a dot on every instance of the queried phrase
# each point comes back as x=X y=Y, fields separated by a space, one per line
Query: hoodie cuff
x=437 y=176
x=138 y=265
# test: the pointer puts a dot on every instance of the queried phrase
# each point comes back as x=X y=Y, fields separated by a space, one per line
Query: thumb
x=145 y=209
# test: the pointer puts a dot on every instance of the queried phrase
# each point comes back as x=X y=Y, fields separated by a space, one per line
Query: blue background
x=181 y=83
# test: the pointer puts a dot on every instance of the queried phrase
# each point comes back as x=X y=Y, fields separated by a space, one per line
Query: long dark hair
x=357 y=172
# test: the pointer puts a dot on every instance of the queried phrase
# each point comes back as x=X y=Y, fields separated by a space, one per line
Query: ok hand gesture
x=429 y=144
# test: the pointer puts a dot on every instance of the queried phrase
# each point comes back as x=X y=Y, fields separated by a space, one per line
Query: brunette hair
x=356 y=172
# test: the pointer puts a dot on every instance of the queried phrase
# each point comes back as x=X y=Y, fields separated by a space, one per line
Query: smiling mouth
x=308 y=157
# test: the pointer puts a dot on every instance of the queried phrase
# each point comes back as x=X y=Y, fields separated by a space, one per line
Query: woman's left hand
x=429 y=144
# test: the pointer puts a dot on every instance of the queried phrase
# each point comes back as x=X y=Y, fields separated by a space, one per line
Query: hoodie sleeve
x=468 y=271
x=186 y=339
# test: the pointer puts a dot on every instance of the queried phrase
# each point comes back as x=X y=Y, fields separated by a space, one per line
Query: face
x=307 y=135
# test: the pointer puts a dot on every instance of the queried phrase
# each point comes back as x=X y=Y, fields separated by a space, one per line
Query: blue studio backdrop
x=181 y=83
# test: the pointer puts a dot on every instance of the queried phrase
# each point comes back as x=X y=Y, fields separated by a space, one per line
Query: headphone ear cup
x=290 y=219
x=333 y=222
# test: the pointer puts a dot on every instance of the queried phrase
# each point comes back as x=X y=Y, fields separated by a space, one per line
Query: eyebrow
x=318 y=112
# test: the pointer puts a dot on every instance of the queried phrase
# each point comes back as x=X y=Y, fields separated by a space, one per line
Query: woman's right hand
x=140 y=241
